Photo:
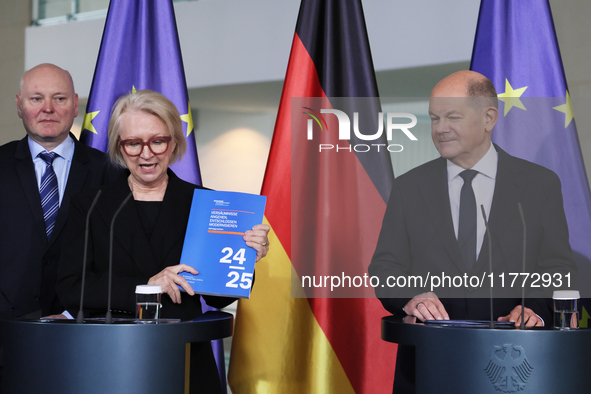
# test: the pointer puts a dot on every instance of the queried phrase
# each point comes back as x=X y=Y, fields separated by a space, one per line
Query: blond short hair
x=152 y=103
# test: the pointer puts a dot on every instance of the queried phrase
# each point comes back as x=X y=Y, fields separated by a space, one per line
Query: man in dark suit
x=424 y=228
x=30 y=244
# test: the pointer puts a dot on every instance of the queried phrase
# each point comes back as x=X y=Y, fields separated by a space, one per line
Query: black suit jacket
x=135 y=259
x=28 y=261
x=417 y=236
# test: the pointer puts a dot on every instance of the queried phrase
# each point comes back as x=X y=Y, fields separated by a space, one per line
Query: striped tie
x=49 y=192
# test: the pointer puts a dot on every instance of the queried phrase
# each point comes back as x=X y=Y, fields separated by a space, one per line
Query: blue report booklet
x=214 y=245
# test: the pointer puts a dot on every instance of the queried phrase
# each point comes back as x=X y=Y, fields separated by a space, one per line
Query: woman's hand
x=169 y=278
x=257 y=239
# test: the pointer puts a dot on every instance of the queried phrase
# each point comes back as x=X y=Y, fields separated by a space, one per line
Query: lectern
x=482 y=360
x=125 y=357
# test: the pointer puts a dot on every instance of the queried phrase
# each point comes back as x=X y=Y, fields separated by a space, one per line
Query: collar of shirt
x=61 y=164
x=65 y=149
x=486 y=166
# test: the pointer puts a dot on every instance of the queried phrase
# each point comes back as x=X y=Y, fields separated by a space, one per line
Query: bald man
x=422 y=232
x=30 y=243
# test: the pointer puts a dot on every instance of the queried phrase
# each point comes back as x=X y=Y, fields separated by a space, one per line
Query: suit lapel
x=508 y=188
x=76 y=178
x=169 y=231
x=436 y=195
x=26 y=173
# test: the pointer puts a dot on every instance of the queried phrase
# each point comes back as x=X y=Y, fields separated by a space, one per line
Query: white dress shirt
x=61 y=164
x=483 y=185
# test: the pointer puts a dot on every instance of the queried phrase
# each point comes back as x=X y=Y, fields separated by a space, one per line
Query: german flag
x=325 y=211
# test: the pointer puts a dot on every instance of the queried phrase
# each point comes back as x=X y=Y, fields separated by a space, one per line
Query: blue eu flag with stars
x=516 y=48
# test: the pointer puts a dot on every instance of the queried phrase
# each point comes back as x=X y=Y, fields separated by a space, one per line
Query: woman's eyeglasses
x=134 y=147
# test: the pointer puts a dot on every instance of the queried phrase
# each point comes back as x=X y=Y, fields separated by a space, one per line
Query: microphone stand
x=108 y=316
x=492 y=322
x=80 y=317
x=522 y=325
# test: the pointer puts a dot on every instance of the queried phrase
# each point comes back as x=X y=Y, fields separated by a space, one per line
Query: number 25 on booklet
x=214 y=245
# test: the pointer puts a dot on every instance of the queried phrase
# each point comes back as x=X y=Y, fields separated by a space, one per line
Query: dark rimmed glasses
x=134 y=147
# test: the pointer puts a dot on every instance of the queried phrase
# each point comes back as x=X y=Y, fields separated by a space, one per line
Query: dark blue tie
x=467 y=222
x=49 y=192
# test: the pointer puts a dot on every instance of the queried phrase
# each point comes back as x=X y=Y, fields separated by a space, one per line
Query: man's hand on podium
x=531 y=319
x=426 y=306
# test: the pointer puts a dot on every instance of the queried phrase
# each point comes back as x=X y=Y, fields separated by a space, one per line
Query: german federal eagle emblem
x=508 y=369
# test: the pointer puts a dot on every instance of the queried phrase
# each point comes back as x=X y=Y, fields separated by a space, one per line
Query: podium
x=64 y=357
x=482 y=360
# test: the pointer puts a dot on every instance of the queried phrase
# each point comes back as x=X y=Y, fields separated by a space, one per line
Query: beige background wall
x=14 y=17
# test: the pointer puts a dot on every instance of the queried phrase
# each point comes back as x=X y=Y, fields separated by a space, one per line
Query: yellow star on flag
x=133 y=89
x=187 y=118
x=567 y=109
x=87 y=124
x=511 y=97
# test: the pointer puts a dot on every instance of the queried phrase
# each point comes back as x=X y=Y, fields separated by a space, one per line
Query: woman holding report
x=145 y=136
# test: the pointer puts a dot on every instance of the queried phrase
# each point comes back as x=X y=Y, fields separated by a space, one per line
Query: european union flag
x=140 y=50
x=517 y=49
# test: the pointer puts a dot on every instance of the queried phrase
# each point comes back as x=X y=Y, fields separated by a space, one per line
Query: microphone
x=108 y=317
x=492 y=321
x=522 y=326
x=80 y=317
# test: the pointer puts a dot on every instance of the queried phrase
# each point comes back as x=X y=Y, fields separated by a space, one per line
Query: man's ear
x=491 y=115
x=17 y=100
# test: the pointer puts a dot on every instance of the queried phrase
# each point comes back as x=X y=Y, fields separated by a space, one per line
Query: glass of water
x=147 y=298
x=566 y=313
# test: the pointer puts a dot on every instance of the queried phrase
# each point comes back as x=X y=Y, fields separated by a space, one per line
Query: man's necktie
x=49 y=192
x=467 y=222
